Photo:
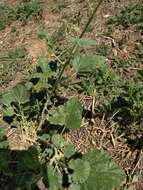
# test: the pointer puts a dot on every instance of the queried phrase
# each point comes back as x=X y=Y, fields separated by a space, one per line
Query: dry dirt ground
x=99 y=133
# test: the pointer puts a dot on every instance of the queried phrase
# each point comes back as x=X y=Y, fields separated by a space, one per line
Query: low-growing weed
x=102 y=49
x=11 y=64
x=139 y=51
x=29 y=9
x=112 y=87
x=59 y=6
x=125 y=93
x=41 y=119
x=51 y=160
x=23 y=11
x=129 y=103
x=130 y=15
x=7 y=15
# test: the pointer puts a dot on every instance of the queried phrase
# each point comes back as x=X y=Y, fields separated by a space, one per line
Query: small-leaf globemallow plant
x=51 y=160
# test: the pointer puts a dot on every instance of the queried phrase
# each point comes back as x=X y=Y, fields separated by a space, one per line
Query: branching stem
x=74 y=49
x=72 y=53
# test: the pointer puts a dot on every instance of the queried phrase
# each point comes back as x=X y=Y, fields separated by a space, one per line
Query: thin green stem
x=91 y=18
x=72 y=53
x=74 y=48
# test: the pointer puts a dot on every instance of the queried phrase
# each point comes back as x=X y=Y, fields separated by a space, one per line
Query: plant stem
x=91 y=18
x=74 y=48
x=43 y=113
x=72 y=53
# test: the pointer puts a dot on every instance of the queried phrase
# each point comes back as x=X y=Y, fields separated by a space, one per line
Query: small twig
x=43 y=114
x=58 y=59
x=138 y=161
x=52 y=160
x=63 y=130
x=93 y=103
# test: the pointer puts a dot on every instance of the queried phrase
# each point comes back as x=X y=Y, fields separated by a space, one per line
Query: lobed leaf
x=83 y=42
x=20 y=94
x=3 y=140
x=58 y=140
x=57 y=116
x=69 y=150
x=53 y=179
x=7 y=98
x=73 y=112
x=81 y=170
x=8 y=111
x=69 y=115
x=74 y=187
x=105 y=173
x=88 y=63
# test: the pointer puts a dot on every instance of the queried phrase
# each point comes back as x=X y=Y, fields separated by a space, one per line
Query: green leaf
x=58 y=140
x=28 y=160
x=4 y=145
x=48 y=152
x=8 y=111
x=53 y=179
x=44 y=74
x=57 y=116
x=141 y=73
x=45 y=137
x=3 y=141
x=69 y=115
x=2 y=134
x=27 y=180
x=74 y=187
x=42 y=34
x=43 y=64
x=20 y=94
x=105 y=174
x=69 y=150
x=130 y=188
x=83 y=42
x=31 y=181
x=88 y=63
x=81 y=170
x=135 y=179
x=73 y=112
x=4 y=160
x=7 y=98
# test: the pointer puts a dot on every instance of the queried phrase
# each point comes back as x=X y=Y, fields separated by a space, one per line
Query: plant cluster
x=130 y=15
x=112 y=93
x=50 y=158
x=35 y=108
x=42 y=116
x=23 y=11
x=117 y=94
x=11 y=64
